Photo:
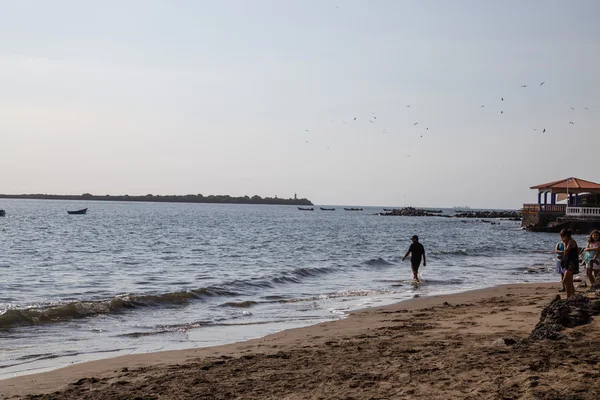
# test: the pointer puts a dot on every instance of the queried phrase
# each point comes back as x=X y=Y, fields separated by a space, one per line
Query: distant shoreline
x=189 y=198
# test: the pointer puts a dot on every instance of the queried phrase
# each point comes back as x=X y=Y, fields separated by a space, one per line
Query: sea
x=131 y=278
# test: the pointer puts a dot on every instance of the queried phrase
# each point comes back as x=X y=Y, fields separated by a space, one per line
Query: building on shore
x=568 y=203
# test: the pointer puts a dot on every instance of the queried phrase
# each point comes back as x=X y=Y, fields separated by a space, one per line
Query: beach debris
x=559 y=314
x=504 y=342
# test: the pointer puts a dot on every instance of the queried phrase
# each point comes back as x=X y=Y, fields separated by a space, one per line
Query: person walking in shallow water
x=416 y=251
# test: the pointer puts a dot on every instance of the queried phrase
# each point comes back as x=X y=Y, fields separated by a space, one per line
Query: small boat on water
x=77 y=212
x=327 y=209
x=2 y=213
x=388 y=209
x=306 y=209
x=353 y=209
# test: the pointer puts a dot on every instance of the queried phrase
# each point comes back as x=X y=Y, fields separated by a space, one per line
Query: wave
x=82 y=309
x=335 y=295
x=239 y=304
x=378 y=261
x=165 y=329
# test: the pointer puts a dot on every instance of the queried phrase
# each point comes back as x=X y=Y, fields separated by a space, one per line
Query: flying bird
x=483 y=105
x=544 y=131
x=501 y=112
x=344 y=122
x=355 y=118
x=415 y=123
x=542 y=83
x=408 y=105
x=372 y=121
x=375 y=117
x=534 y=129
x=421 y=135
x=572 y=108
x=502 y=98
x=426 y=129
x=587 y=108
x=572 y=123
x=523 y=85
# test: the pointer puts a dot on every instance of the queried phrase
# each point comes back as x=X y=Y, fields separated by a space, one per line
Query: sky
x=272 y=98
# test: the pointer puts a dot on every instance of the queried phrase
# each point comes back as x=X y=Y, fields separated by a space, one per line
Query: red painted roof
x=571 y=183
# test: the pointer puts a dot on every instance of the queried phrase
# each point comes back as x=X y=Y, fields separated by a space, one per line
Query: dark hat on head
x=415 y=237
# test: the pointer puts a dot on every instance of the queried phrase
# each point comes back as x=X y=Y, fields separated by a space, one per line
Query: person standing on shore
x=560 y=251
x=591 y=256
x=570 y=261
x=416 y=251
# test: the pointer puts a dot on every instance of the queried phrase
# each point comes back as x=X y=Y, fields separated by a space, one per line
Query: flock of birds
x=373 y=118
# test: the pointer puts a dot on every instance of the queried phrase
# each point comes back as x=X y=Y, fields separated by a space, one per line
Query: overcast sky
x=259 y=97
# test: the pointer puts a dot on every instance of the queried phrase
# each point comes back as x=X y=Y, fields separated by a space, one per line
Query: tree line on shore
x=188 y=198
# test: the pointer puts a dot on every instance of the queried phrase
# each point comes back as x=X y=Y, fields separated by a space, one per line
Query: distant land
x=188 y=198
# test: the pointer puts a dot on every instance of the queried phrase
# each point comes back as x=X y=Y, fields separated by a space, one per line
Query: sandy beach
x=472 y=345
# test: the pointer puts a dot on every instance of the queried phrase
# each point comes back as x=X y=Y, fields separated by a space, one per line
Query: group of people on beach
x=567 y=263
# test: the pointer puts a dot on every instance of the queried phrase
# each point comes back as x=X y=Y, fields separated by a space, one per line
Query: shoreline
x=368 y=327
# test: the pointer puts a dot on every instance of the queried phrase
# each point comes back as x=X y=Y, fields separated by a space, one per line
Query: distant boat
x=327 y=209
x=82 y=211
x=388 y=209
x=2 y=213
x=306 y=209
x=353 y=209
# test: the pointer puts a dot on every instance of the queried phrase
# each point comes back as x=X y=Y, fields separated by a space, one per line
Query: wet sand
x=473 y=345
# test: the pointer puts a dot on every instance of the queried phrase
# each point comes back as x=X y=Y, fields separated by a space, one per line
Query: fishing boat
x=306 y=209
x=77 y=212
x=353 y=209
x=327 y=209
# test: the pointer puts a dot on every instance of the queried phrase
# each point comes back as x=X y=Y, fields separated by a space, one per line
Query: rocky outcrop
x=512 y=215
x=411 y=212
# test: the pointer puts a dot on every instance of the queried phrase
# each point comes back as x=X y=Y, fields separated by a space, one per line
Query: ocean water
x=141 y=277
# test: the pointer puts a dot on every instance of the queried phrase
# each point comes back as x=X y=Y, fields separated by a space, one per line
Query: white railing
x=584 y=212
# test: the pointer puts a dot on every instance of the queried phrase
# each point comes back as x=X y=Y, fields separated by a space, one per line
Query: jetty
x=571 y=203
